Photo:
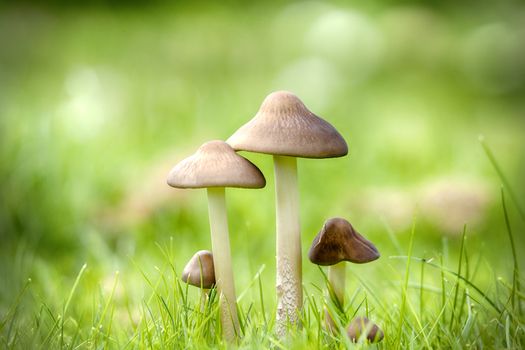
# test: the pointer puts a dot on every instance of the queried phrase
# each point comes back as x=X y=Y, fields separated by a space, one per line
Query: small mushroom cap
x=202 y=261
x=362 y=324
x=215 y=164
x=284 y=126
x=338 y=241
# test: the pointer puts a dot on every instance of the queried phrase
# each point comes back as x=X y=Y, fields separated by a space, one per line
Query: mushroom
x=285 y=128
x=337 y=242
x=199 y=272
x=362 y=326
x=215 y=166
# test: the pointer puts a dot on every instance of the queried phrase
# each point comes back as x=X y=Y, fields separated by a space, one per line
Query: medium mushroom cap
x=338 y=241
x=202 y=261
x=284 y=126
x=215 y=164
x=362 y=324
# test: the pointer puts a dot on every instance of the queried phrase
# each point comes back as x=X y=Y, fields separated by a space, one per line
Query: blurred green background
x=99 y=101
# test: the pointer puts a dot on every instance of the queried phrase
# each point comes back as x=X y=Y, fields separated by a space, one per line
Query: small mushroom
x=199 y=271
x=285 y=128
x=335 y=243
x=362 y=326
x=215 y=166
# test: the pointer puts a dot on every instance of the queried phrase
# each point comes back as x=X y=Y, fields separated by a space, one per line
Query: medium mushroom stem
x=289 y=280
x=336 y=277
x=220 y=243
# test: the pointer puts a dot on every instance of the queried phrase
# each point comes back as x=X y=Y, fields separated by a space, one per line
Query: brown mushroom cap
x=363 y=324
x=284 y=126
x=215 y=164
x=338 y=241
x=202 y=261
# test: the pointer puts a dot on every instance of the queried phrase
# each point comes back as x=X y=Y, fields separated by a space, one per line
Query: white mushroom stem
x=336 y=278
x=220 y=243
x=289 y=280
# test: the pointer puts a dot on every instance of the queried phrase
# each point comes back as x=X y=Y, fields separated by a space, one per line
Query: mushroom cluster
x=284 y=128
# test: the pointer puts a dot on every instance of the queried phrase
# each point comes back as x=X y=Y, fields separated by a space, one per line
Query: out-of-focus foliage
x=97 y=102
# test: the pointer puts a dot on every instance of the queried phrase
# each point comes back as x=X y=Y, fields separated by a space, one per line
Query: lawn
x=99 y=102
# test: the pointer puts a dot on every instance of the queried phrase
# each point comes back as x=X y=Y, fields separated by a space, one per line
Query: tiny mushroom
x=215 y=166
x=285 y=128
x=199 y=271
x=363 y=327
x=338 y=242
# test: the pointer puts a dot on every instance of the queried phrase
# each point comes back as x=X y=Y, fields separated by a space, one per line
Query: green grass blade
x=405 y=287
x=456 y=285
x=73 y=289
x=15 y=305
x=502 y=177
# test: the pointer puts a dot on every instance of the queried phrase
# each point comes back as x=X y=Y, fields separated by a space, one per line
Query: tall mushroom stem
x=336 y=278
x=289 y=271
x=220 y=243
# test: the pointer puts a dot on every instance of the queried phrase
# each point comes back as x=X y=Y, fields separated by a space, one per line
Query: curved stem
x=220 y=243
x=288 y=240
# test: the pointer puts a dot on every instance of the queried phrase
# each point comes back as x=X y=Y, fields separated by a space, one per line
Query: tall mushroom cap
x=284 y=126
x=215 y=164
x=202 y=261
x=338 y=241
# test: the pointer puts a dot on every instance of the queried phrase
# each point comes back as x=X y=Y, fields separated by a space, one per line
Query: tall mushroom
x=215 y=166
x=286 y=129
x=338 y=242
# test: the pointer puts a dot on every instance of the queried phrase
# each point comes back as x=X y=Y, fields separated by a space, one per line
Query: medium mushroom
x=215 y=166
x=338 y=242
x=285 y=128
x=199 y=272
x=363 y=327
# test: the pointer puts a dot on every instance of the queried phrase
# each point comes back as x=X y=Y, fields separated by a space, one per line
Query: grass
x=455 y=312
x=171 y=317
